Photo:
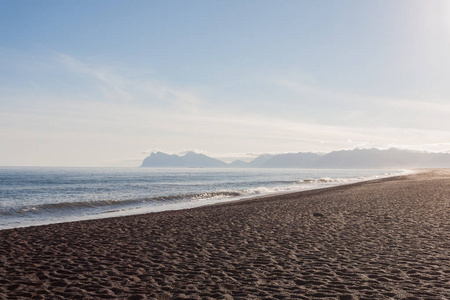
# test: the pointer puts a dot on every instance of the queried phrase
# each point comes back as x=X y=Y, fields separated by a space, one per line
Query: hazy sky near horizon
x=105 y=83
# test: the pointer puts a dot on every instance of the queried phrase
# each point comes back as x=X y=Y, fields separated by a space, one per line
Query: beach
x=380 y=239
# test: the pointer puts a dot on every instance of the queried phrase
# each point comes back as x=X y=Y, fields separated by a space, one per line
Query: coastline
x=383 y=238
x=294 y=192
x=86 y=207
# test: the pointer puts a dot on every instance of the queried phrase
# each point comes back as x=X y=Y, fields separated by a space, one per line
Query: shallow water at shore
x=35 y=196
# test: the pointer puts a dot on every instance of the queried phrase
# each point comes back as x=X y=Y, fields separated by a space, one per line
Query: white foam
x=200 y=200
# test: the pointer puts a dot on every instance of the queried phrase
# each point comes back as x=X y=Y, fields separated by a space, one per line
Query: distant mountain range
x=345 y=159
x=189 y=160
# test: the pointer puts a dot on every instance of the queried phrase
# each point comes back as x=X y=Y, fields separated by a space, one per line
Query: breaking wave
x=65 y=206
x=47 y=196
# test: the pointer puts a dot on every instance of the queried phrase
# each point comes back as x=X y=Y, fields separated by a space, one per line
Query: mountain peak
x=192 y=153
x=189 y=160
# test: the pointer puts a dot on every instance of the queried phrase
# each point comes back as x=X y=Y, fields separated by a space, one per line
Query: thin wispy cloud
x=170 y=119
x=173 y=83
x=368 y=110
x=118 y=86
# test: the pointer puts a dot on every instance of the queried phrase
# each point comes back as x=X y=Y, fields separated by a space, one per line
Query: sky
x=105 y=83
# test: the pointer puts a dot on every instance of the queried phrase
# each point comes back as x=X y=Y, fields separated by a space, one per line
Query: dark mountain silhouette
x=189 y=160
x=375 y=158
x=260 y=160
x=292 y=160
x=366 y=158
x=160 y=159
x=344 y=159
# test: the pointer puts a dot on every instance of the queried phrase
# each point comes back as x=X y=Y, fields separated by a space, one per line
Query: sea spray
x=34 y=196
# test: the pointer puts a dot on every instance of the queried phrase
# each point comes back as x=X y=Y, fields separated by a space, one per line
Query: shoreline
x=116 y=213
x=293 y=192
x=378 y=239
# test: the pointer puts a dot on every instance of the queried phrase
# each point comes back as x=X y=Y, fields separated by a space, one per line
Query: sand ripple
x=385 y=239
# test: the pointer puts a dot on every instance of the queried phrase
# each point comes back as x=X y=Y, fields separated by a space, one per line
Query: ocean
x=35 y=196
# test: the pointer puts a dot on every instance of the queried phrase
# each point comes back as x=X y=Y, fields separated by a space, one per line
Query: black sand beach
x=383 y=239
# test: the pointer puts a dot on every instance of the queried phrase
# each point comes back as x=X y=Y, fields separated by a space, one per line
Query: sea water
x=36 y=196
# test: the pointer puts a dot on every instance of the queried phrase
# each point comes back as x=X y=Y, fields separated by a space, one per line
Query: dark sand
x=382 y=239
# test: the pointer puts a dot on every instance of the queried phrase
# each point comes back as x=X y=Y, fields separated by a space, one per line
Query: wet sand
x=382 y=239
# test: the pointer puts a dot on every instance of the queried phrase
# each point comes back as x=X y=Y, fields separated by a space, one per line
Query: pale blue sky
x=104 y=83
